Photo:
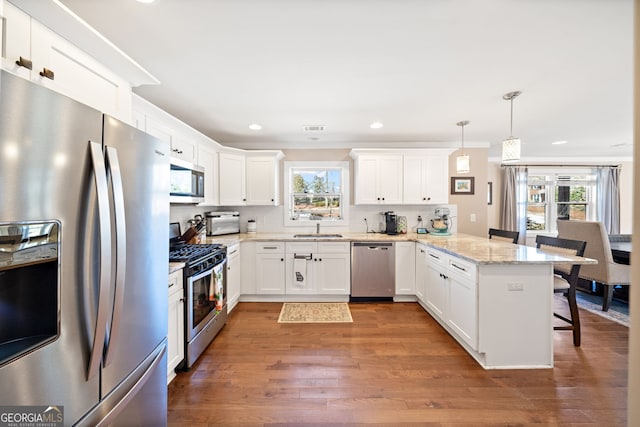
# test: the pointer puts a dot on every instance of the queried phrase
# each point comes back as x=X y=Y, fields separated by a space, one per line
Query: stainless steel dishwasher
x=373 y=271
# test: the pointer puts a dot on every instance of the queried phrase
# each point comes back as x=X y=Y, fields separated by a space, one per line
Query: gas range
x=198 y=257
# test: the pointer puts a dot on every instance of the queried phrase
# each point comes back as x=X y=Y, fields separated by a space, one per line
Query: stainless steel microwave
x=187 y=182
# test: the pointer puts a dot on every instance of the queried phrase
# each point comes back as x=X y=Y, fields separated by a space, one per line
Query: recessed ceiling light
x=376 y=125
x=558 y=142
x=255 y=126
x=146 y=1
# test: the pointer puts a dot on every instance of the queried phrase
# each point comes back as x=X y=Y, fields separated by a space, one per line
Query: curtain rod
x=564 y=166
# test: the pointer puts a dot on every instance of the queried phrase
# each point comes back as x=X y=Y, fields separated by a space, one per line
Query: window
x=554 y=195
x=316 y=191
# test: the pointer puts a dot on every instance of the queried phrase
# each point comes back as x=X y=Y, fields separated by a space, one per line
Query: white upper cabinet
x=184 y=149
x=378 y=178
x=208 y=159
x=425 y=178
x=34 y=52
x=262 y=179
x=232 y=175
x=249 y=178
x=394 y=177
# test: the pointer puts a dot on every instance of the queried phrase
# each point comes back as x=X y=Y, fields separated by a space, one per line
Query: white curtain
x=513 y=211
x=608 y=199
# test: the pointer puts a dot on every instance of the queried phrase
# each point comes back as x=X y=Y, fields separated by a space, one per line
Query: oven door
x=205 y=297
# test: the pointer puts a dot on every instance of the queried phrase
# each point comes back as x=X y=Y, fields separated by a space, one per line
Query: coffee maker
x=389 y=224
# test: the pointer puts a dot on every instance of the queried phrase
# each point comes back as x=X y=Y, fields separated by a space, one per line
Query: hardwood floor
x=394 y=365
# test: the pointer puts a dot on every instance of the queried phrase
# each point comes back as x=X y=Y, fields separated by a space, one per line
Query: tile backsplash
x=271 y=218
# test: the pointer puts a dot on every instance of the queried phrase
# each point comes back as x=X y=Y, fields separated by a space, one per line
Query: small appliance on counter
x=441 y=223
x=389 y=222
x=251 y=226
x=222 y=222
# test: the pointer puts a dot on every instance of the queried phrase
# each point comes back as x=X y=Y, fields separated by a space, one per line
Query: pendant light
x=511 y=145
x=462 y=161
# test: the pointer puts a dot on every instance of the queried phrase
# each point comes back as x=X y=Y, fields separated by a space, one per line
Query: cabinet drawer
x=334 y=247
x=462 y=269
x=175 y=282
x=269 y=247
x=301 y=247
x=436 y=257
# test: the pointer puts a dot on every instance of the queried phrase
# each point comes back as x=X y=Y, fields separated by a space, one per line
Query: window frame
x=551 y=183
x=291 y=166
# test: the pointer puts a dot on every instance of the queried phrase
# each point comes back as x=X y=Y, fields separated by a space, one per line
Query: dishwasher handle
x=374 y=246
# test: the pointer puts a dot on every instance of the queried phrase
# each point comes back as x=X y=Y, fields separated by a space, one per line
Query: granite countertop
x=479 y=250
x=175 y=266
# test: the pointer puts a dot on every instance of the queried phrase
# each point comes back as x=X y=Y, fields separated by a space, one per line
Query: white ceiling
x=418 y=66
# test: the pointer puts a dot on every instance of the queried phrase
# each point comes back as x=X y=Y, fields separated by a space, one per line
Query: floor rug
x=618 y=312
x=316 y=312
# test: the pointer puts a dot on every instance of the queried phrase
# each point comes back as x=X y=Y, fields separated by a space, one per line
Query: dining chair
x=565 y=279
x=510 y=236
x=607 y=272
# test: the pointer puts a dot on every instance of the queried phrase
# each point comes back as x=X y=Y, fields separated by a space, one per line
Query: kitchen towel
x=299 y=271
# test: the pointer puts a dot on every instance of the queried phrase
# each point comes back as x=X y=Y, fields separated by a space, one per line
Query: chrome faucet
x=317 y=228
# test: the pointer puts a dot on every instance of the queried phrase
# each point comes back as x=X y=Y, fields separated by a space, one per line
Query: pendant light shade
x=511 y=145
x=462 y=161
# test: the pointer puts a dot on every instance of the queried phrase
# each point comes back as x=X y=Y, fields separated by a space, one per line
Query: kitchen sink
x=317 y=236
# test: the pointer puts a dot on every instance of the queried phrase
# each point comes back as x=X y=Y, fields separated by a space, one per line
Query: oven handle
x=209 y=269
x=104 y=226
x=113 y=166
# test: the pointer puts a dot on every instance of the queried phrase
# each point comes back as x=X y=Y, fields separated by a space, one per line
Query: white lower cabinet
x=436 y=295
x=233 y=276
x=451 y=294
x=405 y=268
x=52 y=61
x=270 y=268
x=175 y=334
x=462 y=314
x=421 y=272
x=318 y=268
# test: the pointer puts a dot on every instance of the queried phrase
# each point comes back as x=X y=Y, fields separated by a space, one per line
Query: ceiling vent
x=313 y=128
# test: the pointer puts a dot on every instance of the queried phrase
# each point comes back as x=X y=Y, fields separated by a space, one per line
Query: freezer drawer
x=372 y=271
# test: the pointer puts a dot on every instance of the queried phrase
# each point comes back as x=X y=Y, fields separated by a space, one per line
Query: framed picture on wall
x=462 y=185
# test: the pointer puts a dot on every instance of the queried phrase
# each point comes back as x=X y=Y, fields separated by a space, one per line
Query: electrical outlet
x=515 y=286
x=473 y=217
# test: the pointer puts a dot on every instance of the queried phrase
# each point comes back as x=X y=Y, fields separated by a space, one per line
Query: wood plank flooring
x=394 y=365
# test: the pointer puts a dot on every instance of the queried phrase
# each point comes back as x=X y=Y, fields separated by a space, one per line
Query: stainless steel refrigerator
x=84 y=208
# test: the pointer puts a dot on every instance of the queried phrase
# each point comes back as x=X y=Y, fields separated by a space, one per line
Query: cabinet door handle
x=47 y=73
x=24 y=62
x=458 y=267
x=269 y=247
x=281 y=259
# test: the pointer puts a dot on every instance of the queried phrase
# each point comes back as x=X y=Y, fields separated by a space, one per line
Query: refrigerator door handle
x=104 y=227
x=113 y=166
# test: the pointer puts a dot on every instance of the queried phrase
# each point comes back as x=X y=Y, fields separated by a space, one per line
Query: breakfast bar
x=495 y=298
